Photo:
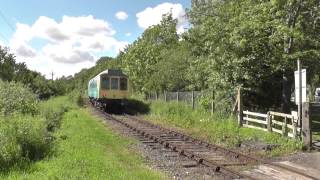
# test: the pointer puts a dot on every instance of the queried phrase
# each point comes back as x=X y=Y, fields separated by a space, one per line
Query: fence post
x=156 y=92
x=306 y=126
x=240 y=111
x=212 y=103
x=284 y=127
x=165 y=95
x=177 y=96
x=192 y=99
x=269 y=122
x=294 y=130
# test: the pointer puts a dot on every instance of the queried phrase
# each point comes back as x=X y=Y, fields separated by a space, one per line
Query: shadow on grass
x=135 y=107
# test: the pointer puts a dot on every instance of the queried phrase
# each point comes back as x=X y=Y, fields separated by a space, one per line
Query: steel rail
x=156 y=136
x=200 y=159
x=237 y=154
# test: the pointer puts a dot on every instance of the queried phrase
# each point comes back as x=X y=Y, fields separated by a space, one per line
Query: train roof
x=113 y=72
x=109 y=72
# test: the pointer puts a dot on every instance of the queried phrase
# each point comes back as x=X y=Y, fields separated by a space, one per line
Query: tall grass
x=26 y=126
x=216 y=128
x=86 y=149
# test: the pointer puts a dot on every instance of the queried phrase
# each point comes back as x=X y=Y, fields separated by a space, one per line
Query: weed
x=216 y=128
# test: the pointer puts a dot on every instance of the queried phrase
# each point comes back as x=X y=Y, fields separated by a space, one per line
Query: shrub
x=52 y=117
x=76 y=97
x=32 y=136
x=28 y=137
x=10 y=151
x=23 y=138
x=204 y=102
x=53 y=110
x=15 y=97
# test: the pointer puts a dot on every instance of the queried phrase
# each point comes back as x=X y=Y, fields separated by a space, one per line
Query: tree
x=81 y=79
x=254 y=44
x=141 y=59
x=18 y=72
x=7 y=64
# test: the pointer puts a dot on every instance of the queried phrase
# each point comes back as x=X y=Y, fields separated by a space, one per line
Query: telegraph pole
x=52 y=75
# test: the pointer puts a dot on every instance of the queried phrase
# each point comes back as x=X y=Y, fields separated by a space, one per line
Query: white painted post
x=177 y=96
x=192 y=99
x=300 y=94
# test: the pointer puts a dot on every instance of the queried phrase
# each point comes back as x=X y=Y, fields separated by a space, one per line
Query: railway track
x=224 y=162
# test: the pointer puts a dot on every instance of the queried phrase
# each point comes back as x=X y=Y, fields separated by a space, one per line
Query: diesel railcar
x=109 y=89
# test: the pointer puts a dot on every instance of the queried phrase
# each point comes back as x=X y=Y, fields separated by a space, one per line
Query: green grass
x=217 y=128
x=86 y=149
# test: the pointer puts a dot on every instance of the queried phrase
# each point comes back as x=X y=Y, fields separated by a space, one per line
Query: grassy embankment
x=217 y=128
x=84 y=149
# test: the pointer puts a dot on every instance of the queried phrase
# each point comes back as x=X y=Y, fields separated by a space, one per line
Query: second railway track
x=224 y=162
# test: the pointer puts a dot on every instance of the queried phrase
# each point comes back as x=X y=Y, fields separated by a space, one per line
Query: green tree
x=7 y=64
x=141 y=59
x=255 y=44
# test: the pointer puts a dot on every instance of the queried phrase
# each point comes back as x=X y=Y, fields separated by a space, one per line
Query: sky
x=65 y=36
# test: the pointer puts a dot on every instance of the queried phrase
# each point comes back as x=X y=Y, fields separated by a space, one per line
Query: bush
x=10 y=151
x=23 y=138
x=76 y=97
x=28 y=137
x=53 y=110
x=15 y=97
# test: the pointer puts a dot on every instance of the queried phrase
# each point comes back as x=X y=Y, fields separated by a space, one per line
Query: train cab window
x=93 y=84
x=123 y=84
x=106 y=83
x=114 y=83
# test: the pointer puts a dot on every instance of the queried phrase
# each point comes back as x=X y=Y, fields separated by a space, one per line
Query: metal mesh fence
x=206 y=99
x=187 y=97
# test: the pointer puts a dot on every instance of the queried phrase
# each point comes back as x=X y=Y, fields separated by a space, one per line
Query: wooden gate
x=315 y=124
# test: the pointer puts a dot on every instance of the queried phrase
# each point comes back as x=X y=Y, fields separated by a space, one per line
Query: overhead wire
x=4 y=38
x=7 y=22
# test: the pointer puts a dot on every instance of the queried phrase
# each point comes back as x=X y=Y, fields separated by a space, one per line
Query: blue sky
x=65 y=36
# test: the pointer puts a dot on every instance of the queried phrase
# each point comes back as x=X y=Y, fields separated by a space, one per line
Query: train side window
x=123 y=84
x=106 y=83
x=114 y=83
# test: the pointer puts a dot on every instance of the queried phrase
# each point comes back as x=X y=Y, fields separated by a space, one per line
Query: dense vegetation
x=249 y=44
x=221 y=130
x=85 y=149
x=26 y=125
x=230 y=44
x=12 y=71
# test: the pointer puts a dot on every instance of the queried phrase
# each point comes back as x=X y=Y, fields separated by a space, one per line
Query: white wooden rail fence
x=284 y=124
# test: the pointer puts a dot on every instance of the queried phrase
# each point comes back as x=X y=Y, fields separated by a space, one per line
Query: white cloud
x=45 y=66
x=66 y=53
x=25 y=50
x=128 y=34
x=102 y=43
x=71 y=43
x=152 y=16
x=121 y=15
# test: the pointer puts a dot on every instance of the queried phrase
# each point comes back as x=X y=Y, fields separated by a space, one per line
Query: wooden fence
x=284 y=124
